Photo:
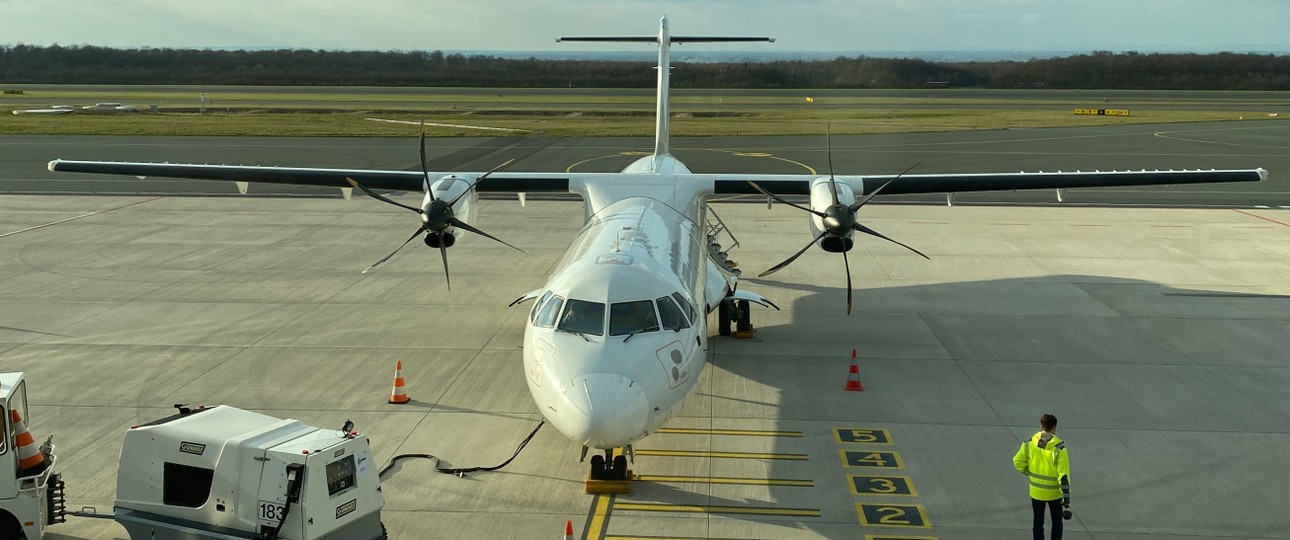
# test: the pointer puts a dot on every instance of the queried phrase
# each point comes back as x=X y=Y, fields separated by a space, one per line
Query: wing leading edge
x=946 y=183
x=374 y=179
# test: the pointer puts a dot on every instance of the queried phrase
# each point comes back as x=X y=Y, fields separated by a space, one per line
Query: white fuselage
x=617 y=337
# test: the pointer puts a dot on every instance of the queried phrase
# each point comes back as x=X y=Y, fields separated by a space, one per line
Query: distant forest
x=1097 y=70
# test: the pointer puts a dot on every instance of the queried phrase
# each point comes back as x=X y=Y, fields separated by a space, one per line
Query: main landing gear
x=734 y=311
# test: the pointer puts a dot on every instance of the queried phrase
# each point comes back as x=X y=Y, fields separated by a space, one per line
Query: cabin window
x=632 y=318
x=537 y=306
x=183 y=485
x=687 y=306
x=546 y=316
x=670 y=314
x=583 y=317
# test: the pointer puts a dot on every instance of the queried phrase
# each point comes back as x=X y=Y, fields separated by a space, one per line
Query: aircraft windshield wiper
x=579 y=334
x=634 y=332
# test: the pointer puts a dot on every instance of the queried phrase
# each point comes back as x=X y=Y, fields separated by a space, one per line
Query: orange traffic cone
x=568 y=529
x=31 y=461
x=399 y=395
x=853 y=377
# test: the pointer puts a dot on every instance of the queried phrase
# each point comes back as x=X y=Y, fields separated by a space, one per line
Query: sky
x=844 y=26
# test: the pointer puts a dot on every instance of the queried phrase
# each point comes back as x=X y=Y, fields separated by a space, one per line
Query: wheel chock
x=609 y=487
x=745 y=334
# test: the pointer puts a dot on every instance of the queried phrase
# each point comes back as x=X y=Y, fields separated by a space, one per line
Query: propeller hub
x=838 y=220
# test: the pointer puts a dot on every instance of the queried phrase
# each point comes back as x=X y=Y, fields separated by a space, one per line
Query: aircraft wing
x=943 y=183
x=374 y=179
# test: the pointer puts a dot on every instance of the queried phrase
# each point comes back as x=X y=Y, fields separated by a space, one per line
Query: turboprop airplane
x=618 y=334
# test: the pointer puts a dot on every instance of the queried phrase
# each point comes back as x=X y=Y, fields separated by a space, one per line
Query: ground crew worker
x=1043 y=459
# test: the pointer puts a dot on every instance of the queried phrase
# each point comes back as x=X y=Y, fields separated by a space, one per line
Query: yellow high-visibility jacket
x=1043 y=458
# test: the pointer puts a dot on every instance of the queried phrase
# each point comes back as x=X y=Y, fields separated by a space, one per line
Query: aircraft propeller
x=437 y=216
x=838 y=220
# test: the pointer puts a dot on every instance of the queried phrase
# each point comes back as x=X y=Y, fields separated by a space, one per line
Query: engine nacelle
x=447 y=188
x=821 y=200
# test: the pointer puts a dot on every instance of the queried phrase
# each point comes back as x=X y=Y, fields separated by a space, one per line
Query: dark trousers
x=1054 y=512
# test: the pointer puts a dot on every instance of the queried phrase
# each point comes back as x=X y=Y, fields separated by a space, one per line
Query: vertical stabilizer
x=661 y=115
x=664 y=40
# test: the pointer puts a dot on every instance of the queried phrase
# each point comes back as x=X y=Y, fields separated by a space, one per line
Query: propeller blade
x=871 y=194
x=828 y=145
x=400 y=248
x=480 y=179
x=788 y=261
x=463 y=225
x=380 y=197
x=425 y=173
x=872 y=232
x=777 y=198
x=848 y=265
x=443 y=252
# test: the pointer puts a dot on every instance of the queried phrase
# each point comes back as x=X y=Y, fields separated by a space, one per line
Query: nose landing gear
x=609 y=473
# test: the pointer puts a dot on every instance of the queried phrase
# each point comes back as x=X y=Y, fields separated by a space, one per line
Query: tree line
x=86 y=64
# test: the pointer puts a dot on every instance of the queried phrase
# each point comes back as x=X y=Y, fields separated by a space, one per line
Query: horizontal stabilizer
x=673 y=39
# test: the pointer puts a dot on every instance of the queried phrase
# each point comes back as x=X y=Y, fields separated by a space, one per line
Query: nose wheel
x=609 y=467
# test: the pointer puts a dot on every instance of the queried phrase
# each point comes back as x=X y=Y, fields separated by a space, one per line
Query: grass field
x=583 y=112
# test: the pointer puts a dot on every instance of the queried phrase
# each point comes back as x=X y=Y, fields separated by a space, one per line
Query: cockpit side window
x=670 y=314
x=537 y=306
x=583 y=317
x=632 y=318
x=688 y=307
x=546 y=316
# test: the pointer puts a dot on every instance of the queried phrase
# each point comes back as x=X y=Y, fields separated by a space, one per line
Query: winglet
x=241 y=186
x=53 y=164
x=1263 y=174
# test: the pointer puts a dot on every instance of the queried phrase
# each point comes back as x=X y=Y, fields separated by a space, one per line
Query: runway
x=1191 y=146
x=1156 y=335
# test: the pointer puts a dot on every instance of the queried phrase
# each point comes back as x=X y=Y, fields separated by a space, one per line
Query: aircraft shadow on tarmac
x=958 y=373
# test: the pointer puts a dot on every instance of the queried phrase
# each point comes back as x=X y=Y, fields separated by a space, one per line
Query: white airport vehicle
x=31 y=498
x=617 y=336
x=217 y=473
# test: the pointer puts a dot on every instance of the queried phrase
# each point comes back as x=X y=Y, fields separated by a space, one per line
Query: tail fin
x=664 y=39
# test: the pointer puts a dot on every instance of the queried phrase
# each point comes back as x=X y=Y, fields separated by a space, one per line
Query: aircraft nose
x=613 y=410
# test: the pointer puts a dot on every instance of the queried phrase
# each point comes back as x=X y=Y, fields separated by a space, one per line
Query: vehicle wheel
x=597 y=467
x=724 y=317
x=11 y=528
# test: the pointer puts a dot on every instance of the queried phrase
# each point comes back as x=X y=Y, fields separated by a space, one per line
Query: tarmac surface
x=1156 y=335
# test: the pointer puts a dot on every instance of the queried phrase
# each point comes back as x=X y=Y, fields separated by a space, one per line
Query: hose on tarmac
x=460 y=472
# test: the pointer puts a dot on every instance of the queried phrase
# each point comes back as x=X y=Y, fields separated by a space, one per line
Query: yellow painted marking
x=752 y=154
x=599 y=517
x=709 y=509
x=636 y=153
x=731 y=455
x=866 y=484
x=638 y=537
x=900 y=537
x=570 y=168
x=892 y=515
x=728 y=480
x=881 y=460
x=862 y=435
x=740 y=432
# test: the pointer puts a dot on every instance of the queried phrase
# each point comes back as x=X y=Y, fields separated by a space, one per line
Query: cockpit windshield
x=632 y=318
x=583 y=317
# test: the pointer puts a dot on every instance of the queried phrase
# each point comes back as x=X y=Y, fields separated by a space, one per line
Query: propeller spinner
x=437 y=216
